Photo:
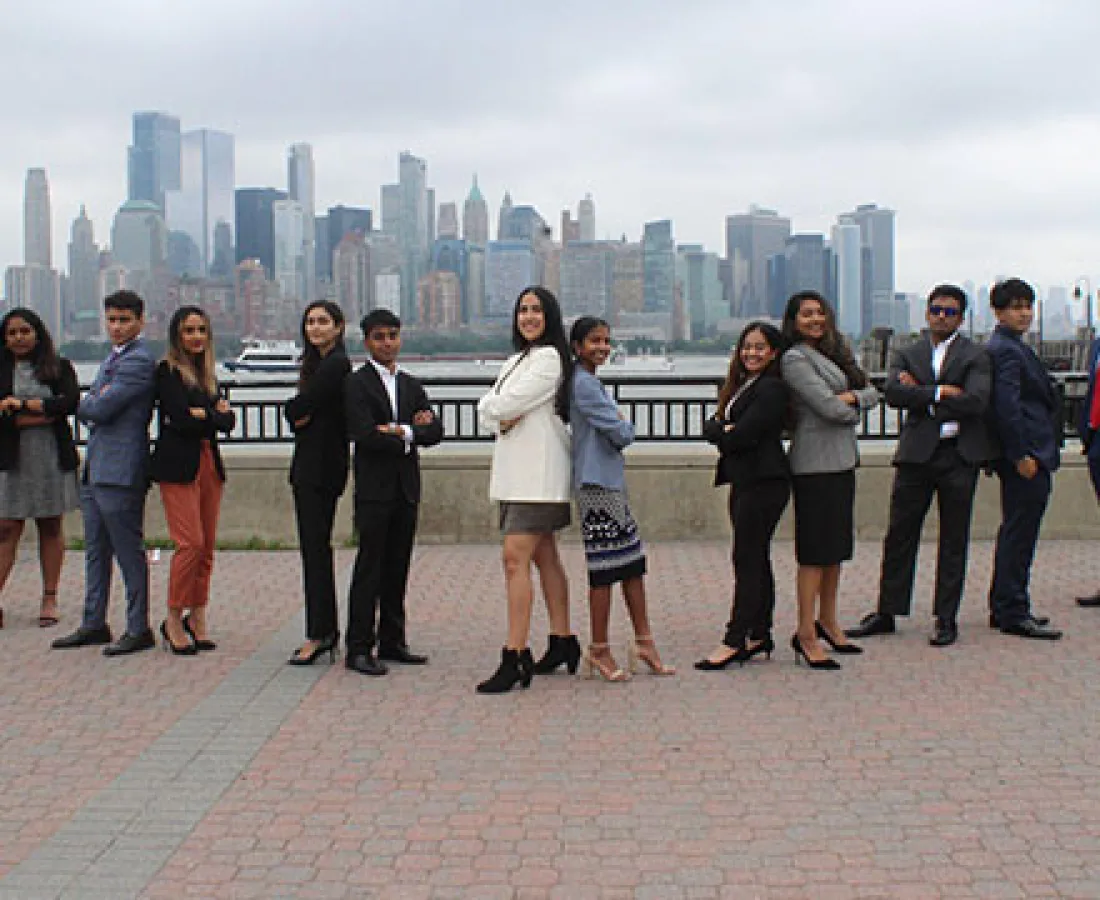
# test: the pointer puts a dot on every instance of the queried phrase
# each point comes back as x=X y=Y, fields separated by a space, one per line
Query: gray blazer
x=824 y=438
x=599 y=435
x=117 y=410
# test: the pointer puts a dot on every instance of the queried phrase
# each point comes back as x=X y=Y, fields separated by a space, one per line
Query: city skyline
x=923 y=109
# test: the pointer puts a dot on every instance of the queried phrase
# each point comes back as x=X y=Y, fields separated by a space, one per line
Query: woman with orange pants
x=187 y=464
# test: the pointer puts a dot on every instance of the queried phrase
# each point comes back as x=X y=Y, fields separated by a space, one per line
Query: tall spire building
x=300 y=188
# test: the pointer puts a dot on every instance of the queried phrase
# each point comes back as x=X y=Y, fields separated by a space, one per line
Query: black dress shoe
x=83 y=637
x=365 y=664
x=402 y=655
x=1090 y=601
x=871 y=624
x=995 y=622
x=1030 y=628
x=131 y=643
x=944 y=634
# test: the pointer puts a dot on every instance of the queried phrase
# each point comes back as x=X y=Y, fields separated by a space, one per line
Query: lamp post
x=1087 y=294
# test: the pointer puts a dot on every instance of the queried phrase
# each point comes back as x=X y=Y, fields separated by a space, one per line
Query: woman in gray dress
x=38 y=460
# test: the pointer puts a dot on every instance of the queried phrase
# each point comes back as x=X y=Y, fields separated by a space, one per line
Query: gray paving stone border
x=116 y=843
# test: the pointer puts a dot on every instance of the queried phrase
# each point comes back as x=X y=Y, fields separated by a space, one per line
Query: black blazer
x=752 y=450
x=321 y=454
x=63 y=403
x=384 y=472
x=967 y=366
x=179 y=434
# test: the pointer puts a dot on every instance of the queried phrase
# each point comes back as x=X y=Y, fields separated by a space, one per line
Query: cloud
x=976 y=121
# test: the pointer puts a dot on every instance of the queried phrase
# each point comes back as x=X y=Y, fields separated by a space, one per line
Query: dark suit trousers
x=386 y=534
x=755 y=511
x=315 y=511
x=1094 y=462
x=1023 y=503
x=114 y=527
x=952 y=480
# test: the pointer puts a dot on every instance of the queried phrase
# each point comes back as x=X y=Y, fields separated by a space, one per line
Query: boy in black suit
x=388 y=418
x=1027 y=416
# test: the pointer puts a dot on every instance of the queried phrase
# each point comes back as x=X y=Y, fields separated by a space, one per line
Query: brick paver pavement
x=914 y=772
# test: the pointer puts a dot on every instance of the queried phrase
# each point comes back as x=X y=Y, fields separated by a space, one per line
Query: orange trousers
x=191 y=511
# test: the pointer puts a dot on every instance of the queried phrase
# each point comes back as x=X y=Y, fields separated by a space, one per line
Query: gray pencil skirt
x=533 y=518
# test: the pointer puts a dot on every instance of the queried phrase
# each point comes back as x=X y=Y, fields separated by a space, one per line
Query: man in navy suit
x=1027 y=416
x=117 y=409
x=1088 y=426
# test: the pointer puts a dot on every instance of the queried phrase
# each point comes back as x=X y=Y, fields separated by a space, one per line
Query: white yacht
x=621 y=361
x=266 y=356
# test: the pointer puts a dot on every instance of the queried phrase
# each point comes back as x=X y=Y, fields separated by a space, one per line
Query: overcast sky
x=978 y=121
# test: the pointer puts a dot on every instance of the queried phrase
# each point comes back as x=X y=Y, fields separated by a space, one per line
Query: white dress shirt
x=939 y=354
x=389 y=382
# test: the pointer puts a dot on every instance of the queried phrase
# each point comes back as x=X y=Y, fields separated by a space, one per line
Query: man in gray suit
x=117 y=410
x=942 y=382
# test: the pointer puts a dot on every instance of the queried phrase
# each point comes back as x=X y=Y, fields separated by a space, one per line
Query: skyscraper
x=750 y=239
x=586 y=278
x=207 y=190
x=475 y=218
x=700 y=288
x=153 y=159
x=391 y=209
x=253 y=214
x=412 y=234
x=351 y=275
x=658 y=267
x=504 y=216
x=83 y=314
x=139 y=241
x=36 y=220
x=301 y=188
x=448 y=221
x=288 y=229
x=586 y=217
x=876 y=232
x=340 y=221
x=848 y=258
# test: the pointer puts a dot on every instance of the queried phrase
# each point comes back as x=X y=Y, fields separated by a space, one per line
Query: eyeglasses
x=948 y=312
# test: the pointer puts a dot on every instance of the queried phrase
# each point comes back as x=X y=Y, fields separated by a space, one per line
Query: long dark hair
x=44 y=358
x=582 y=327
x=196 y=371
x=737 y=374
x=832 y=345
x=553 y=335
x=311 y=356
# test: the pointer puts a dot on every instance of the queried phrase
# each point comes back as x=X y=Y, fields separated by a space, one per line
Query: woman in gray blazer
x=828 y=392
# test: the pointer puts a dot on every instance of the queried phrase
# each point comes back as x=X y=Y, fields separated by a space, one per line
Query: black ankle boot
x=515 y=668
x=560 y=649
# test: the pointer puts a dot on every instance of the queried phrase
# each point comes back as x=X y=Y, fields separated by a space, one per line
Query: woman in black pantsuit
x=319 y=469
x=747 y=429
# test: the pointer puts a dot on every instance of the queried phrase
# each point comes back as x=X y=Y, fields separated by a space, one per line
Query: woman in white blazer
x=531 y=479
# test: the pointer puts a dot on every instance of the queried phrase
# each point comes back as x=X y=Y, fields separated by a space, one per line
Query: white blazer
x=531 y=463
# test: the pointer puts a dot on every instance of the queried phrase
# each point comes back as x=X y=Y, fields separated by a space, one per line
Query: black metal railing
x=662 y=409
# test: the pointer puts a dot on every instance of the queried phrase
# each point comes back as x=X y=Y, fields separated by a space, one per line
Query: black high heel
x=204 y=644
x=516 y=667
x=848 y=648
x=796 y=646
x=560 y=648
x=328 y=645
x=741 y=655
x=188 y=650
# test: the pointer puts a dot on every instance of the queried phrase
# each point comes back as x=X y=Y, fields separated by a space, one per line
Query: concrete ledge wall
x=670 y=489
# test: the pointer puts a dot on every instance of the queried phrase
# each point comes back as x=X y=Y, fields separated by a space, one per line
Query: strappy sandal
x=49 y=614
x=636 y=653
x=607 y=667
